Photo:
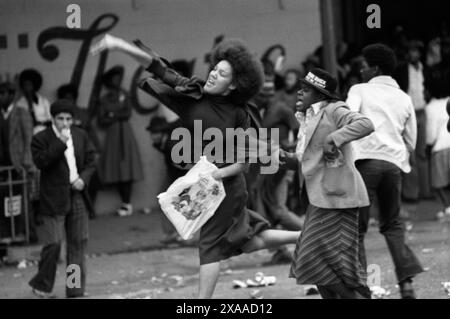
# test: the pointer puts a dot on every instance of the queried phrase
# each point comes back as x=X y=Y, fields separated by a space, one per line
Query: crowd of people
x=63 y=177
x=380 y=129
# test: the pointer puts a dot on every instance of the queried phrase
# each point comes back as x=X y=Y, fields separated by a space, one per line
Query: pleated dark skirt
x=327 y=250
x=231 y=226
x=120 y=160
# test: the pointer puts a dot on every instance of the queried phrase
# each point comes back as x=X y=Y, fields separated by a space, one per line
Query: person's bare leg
x=209 y=273
x=271 y=238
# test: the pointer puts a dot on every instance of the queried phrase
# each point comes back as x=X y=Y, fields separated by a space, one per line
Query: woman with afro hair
x=220 y=103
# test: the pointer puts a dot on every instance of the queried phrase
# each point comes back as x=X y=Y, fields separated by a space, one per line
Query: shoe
x=447 y=212
x=122 y=212
x=310 y=291
x=440 y=215
x=43 y=294
x=280 y=257
x=125 y=210
x=128 y=208
x=407 y=290
x=83 y=295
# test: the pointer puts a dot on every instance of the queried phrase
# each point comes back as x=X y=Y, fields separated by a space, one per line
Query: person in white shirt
x=66 y=158
x=410 y=76
x=382 y=156
x=438 y=138
x=30 y=82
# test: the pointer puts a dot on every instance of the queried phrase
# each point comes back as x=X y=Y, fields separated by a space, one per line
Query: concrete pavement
x=126 y=261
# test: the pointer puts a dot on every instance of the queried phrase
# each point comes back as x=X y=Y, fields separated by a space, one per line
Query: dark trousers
x=383 y=179
x=125 y=191
x=93 y=187
x=52 y=229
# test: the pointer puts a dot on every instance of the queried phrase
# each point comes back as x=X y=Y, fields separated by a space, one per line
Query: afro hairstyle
x=248 y=75
x=108 y=75
x=31 y=75
x=380 y=55
x=66 y=89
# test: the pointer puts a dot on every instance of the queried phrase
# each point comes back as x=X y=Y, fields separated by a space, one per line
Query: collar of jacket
x=314 y=109
x=384 y=79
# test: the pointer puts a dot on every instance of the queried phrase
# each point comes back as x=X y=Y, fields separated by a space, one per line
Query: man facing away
x=382 y=156
x=66 y=158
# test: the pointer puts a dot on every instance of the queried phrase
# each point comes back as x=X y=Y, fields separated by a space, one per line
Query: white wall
x=175 y=28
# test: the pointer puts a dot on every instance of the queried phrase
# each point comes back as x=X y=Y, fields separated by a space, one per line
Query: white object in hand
x=65 y=132
x=108 y=42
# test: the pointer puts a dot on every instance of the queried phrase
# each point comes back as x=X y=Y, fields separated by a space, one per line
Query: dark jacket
x=401 y=75
x=48 y=155
x=20 y=134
